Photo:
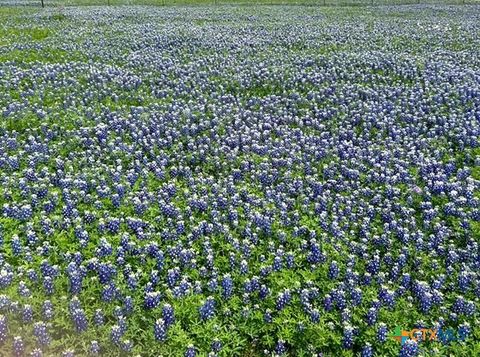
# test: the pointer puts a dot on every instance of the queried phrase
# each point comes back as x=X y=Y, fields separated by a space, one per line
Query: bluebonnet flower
x=79 y=320
x=267 y=317
x=99 y=317
x=48 y=285
x=23 y=290
x=76 y=280
x=3 y=329
x=367 y=278
x=126 y=345
x=280 y=348
x=283 y=299
x=227 y=286
x=32 y=275
x=207 y=310
x=327 y=302
x=356 y=295
x=94 y=347
x=333 y=270
x=464 y=331
x=41 y=333
x=27 y=313
x=315 y=315
x=109 y=292
x=372 y=315
x=36 y=353
x=190 y=352
x=17 y=248
x=216 y=345
x=128 y=305
x=348 y=337
x=68 y=353
x=116 y=334
x=168 y=315
x=367 y=351
x=264 y=291
x=47 y=308
x=122 y=323
x=160 y=330
x=18 y=346
x=382 y=332
x=118 y=312
x=387 y=297
x=409 y=349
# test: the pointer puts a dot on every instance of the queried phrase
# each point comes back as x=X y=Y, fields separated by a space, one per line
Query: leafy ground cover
x=239 y=181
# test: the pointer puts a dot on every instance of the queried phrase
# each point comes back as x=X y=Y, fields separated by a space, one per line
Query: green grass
x=44 y=56
x=23 y=34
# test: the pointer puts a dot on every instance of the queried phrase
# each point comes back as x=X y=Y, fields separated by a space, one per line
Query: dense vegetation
x=239 y=181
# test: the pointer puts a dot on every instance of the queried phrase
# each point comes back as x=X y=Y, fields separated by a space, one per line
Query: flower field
x=240 y=181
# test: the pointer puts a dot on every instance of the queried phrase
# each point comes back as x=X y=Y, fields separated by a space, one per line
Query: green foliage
x=241 y=336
